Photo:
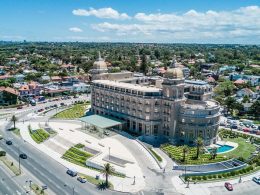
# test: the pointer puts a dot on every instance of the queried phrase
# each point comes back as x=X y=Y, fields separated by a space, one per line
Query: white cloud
x=193 y=25
x=108 y=13
x=75 y=29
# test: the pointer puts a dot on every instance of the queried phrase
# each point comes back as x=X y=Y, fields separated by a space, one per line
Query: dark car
x=9 y=142
x=81 y=179
x=19 y=107
x=23 y=156
x=72 y=173
x=229 y=186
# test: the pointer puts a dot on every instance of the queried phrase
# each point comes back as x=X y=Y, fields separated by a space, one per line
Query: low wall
x=215 y=172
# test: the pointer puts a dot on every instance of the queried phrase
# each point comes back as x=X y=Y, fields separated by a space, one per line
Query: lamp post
x=30 y=183
x=109 y=153
x=134 y=181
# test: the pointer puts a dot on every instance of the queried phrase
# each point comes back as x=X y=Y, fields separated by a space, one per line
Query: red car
x=229 y=186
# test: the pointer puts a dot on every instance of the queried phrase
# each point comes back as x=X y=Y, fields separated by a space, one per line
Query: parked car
x=229 y=186
x=72 y=173
x=253 y=126
x=23 y=156
x=234 y=126
x=19 y=107
x=256 y=179
x=241 y=124
x=9 y=142
x=81 y=179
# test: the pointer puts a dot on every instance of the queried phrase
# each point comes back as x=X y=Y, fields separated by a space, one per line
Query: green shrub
x=79 y=145
x=219 y=176
x=214 y=176
x=204 y=177
x=210 y=176
x=199 y=178
x=2 y=153
x=193 y=178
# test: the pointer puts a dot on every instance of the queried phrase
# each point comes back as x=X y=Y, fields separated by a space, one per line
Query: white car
x=256 y=179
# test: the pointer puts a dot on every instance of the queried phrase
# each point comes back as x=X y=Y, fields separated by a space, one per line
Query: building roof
x=239 y=81
x=102 y=122
x=9 y=90
x=127 y=86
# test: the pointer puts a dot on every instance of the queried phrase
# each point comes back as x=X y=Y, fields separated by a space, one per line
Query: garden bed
x=39 y=135
x=176 y=153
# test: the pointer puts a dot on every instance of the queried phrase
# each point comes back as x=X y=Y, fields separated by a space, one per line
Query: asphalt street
x=244 y=188
x=8 y=185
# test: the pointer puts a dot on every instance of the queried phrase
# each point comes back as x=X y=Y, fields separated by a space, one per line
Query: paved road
x=7 y=184
x=48 y=171
x=244 y=188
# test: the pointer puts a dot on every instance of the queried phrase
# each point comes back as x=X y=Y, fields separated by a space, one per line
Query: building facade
x=178 y=110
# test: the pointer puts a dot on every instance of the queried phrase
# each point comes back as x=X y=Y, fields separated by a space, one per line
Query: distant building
x=19 y=78
x=8 y=96
x=100 y=72
x=246 y=92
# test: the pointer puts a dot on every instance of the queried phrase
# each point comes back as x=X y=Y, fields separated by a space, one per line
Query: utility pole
x=108 y=153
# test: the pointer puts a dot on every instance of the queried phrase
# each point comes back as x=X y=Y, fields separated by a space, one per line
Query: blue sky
x=167 y=21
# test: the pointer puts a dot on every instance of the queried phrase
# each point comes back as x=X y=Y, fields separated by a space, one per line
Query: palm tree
x=213 y=152
x=107 y=171
x=14 y=120
x=199 y=144
x=185 y=150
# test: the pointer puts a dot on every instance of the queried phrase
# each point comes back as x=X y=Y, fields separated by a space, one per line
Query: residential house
x=30 y=89
x=8 y=96
x=19 y=78
x=81 y=88
x=246 y=92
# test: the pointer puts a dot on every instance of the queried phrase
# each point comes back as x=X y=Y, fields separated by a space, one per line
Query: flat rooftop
x=127 y=86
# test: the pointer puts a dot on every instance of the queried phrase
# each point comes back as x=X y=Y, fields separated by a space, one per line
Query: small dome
x=100 y=65
x=174 y=73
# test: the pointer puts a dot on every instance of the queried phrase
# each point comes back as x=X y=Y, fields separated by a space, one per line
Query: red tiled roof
x=9 y=90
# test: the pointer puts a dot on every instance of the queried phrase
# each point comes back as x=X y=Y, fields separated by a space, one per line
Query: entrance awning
x=102 y=122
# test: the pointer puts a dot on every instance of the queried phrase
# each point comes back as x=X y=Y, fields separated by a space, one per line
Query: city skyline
x=113 y=21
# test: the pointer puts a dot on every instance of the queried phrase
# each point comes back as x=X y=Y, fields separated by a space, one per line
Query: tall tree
x=199 y=144
x=107 y=171
x=213 y=152
x=14 y=120
x=144 y=66
x=185 y=150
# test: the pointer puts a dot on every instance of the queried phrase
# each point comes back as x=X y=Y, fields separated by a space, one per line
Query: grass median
x=10 y=165
x=76 y=111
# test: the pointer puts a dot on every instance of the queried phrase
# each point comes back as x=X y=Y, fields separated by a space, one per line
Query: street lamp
x=108 y=153
x=30 y=183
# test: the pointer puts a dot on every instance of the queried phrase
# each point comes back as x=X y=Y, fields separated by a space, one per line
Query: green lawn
x=39 y=135
x=76 y=156
x=157 y=156
x=243 y=150
x=74 y=112
x=176 y=153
